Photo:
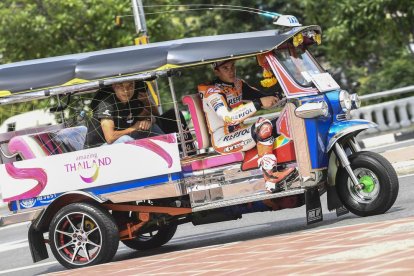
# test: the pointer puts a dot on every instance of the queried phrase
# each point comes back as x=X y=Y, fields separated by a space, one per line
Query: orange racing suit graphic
x=226 y=108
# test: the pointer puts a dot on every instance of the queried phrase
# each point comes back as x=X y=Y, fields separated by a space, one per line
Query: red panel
x=283 y=154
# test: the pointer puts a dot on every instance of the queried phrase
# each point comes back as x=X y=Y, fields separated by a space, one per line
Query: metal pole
x=177 y=116
x=139 y=17
x=141 y=29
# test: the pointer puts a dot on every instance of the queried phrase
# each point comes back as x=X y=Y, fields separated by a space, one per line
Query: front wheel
x=379 y=180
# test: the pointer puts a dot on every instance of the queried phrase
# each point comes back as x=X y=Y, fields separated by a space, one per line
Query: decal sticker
x=27 y=173
x=234 y=147
x=236 y=134
x=315 y=214
x=28 y=203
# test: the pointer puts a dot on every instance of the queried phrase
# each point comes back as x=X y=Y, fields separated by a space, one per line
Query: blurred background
x=367 y=45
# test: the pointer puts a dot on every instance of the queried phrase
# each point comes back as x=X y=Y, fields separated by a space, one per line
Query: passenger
x=120 y=114
x=228 y=102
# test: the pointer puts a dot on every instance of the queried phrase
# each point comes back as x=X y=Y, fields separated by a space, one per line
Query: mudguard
x=343 y=128
x=41 y=224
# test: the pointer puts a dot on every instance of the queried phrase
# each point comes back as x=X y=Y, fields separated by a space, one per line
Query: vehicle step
x=246 y=199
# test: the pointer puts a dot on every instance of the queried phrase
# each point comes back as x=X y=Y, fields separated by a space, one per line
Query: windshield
x=300 y=64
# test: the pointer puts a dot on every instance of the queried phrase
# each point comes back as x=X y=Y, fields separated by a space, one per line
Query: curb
x=404 y=167
x=387 y=139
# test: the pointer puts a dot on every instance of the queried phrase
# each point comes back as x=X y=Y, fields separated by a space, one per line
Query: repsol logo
x=242 y=114
x=234 y=100
x=235 y=135
x=238 y=145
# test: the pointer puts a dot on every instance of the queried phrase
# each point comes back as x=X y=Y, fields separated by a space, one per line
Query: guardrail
x=388 y=93
x=389 y=115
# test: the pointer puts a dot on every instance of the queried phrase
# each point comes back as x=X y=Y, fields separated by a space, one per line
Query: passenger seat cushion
x=45 y=144
x=73 y=138
x=197 y=116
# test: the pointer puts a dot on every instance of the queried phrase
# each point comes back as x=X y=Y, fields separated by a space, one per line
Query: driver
x=227 y=102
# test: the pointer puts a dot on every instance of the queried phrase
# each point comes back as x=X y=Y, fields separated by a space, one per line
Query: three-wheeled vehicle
x=82 y=202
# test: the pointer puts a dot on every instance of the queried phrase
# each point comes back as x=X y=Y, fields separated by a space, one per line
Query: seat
x=195 y=108
x=48 y=143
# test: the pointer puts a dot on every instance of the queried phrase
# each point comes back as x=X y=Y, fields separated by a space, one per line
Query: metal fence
x=389 y=115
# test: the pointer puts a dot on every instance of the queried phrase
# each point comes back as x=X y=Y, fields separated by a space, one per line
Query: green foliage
x=43 y=28
x=365 y=41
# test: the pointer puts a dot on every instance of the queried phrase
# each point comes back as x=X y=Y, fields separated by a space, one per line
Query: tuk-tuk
x=87 y=200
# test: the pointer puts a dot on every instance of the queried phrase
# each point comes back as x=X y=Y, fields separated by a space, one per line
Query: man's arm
x=231 y=116
x=110 y=134
x=252 y=94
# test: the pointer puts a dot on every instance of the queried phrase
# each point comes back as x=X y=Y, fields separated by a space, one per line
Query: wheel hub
x=368 y=183
x=369 y=187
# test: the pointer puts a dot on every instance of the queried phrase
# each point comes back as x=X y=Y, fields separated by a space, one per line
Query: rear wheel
x=83 y=234
x=379 y=180
x=148 y=237
x=152 y=239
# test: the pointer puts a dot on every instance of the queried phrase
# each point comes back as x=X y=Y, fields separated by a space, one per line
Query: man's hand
x=269 y=101
x=142 y=125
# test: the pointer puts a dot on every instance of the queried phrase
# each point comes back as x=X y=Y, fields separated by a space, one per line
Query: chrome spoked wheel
x=371 y=186
x=83 y=234
x=78 y=238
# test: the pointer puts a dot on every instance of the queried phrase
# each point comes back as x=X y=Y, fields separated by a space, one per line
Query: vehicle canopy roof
x=45 y=76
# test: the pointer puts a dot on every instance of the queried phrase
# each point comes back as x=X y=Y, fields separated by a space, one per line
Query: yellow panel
x=167 y=66
x=141 y=40
x=75 y=81
x=4 y=93
x=153 y=94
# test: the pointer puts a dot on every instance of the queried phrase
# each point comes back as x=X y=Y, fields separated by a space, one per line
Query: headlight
x=345 y=100
x=356 y=101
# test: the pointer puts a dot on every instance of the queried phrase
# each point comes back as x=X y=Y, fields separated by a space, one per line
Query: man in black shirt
x=119 y=116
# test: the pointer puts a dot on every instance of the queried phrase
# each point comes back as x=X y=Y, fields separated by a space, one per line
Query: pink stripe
x=149 y=145
x=27 y=173
x=17 y=144
x=214 y=161
x=168 y=138
x=191 y=106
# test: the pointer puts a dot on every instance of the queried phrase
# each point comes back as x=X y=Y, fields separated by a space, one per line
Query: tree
x=43 y=28
x=367 y=40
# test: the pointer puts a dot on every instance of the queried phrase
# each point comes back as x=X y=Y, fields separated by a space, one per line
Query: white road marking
x=13 y=225
x=366 y=252
x=406 y=175
x=8 y=246
x=27 y=267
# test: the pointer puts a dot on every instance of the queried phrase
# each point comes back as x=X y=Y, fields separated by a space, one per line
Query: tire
x=153 y=239
x=381 y=184
x=81 y=228
x=146 y=239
